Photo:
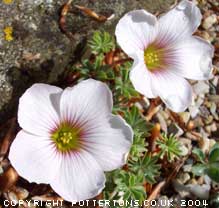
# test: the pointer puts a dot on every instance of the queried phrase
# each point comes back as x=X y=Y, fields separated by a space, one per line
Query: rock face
x=34 y=49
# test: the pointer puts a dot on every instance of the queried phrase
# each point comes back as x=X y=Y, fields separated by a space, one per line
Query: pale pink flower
x=69 y=138
x=165 y=53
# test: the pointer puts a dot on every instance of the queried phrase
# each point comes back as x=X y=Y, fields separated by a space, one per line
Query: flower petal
x=195 y=58
x=79 y=177
x=178 y=23
x=88 y=100
x=109 y=144
x=34 y=157
x=175 y=91
x=38 y=109
x=135 y=31
x=141 y=79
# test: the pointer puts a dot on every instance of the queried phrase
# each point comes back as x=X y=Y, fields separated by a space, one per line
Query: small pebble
x=205 y=145
x=183 y=177
x=162 y=122
x=190 y=125
x=185 y=116
x=181 y=189
x=209 y=21
x=21 y=193
x=187 y=168
x=202 y=87
x=175 y=129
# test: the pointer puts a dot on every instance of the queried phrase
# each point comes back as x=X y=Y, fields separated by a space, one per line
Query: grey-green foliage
x=118 y=80
x=101 y=42
x=169 y=147
x=209 y=165
x=123 y=83
x=147 y=166
x=134 y=118
x=131 y=185
x=138 y=148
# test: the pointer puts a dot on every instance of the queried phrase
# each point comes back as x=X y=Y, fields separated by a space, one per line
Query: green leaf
x=138 y=192
x=199 y=154
x=148 y=166
x=98 y=61
x=134 y=118
x=123 y=85
x=214 y=154
x=132 y=180
x=169 y=146
x=199 y=169
x=151 y=168
x=213 y=171
x=138 y=146
x=101 y=42
x=131 y=185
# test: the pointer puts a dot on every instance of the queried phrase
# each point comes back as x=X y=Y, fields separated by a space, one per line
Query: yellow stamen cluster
x=66 y=138
x=8 y=33
x=153 y=58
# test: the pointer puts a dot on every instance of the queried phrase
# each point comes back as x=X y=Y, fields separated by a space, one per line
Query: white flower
x=69 y=138
x=165 y=52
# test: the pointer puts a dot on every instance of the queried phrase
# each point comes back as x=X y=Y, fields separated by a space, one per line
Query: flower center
x=66 y=138
x=153 y=58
